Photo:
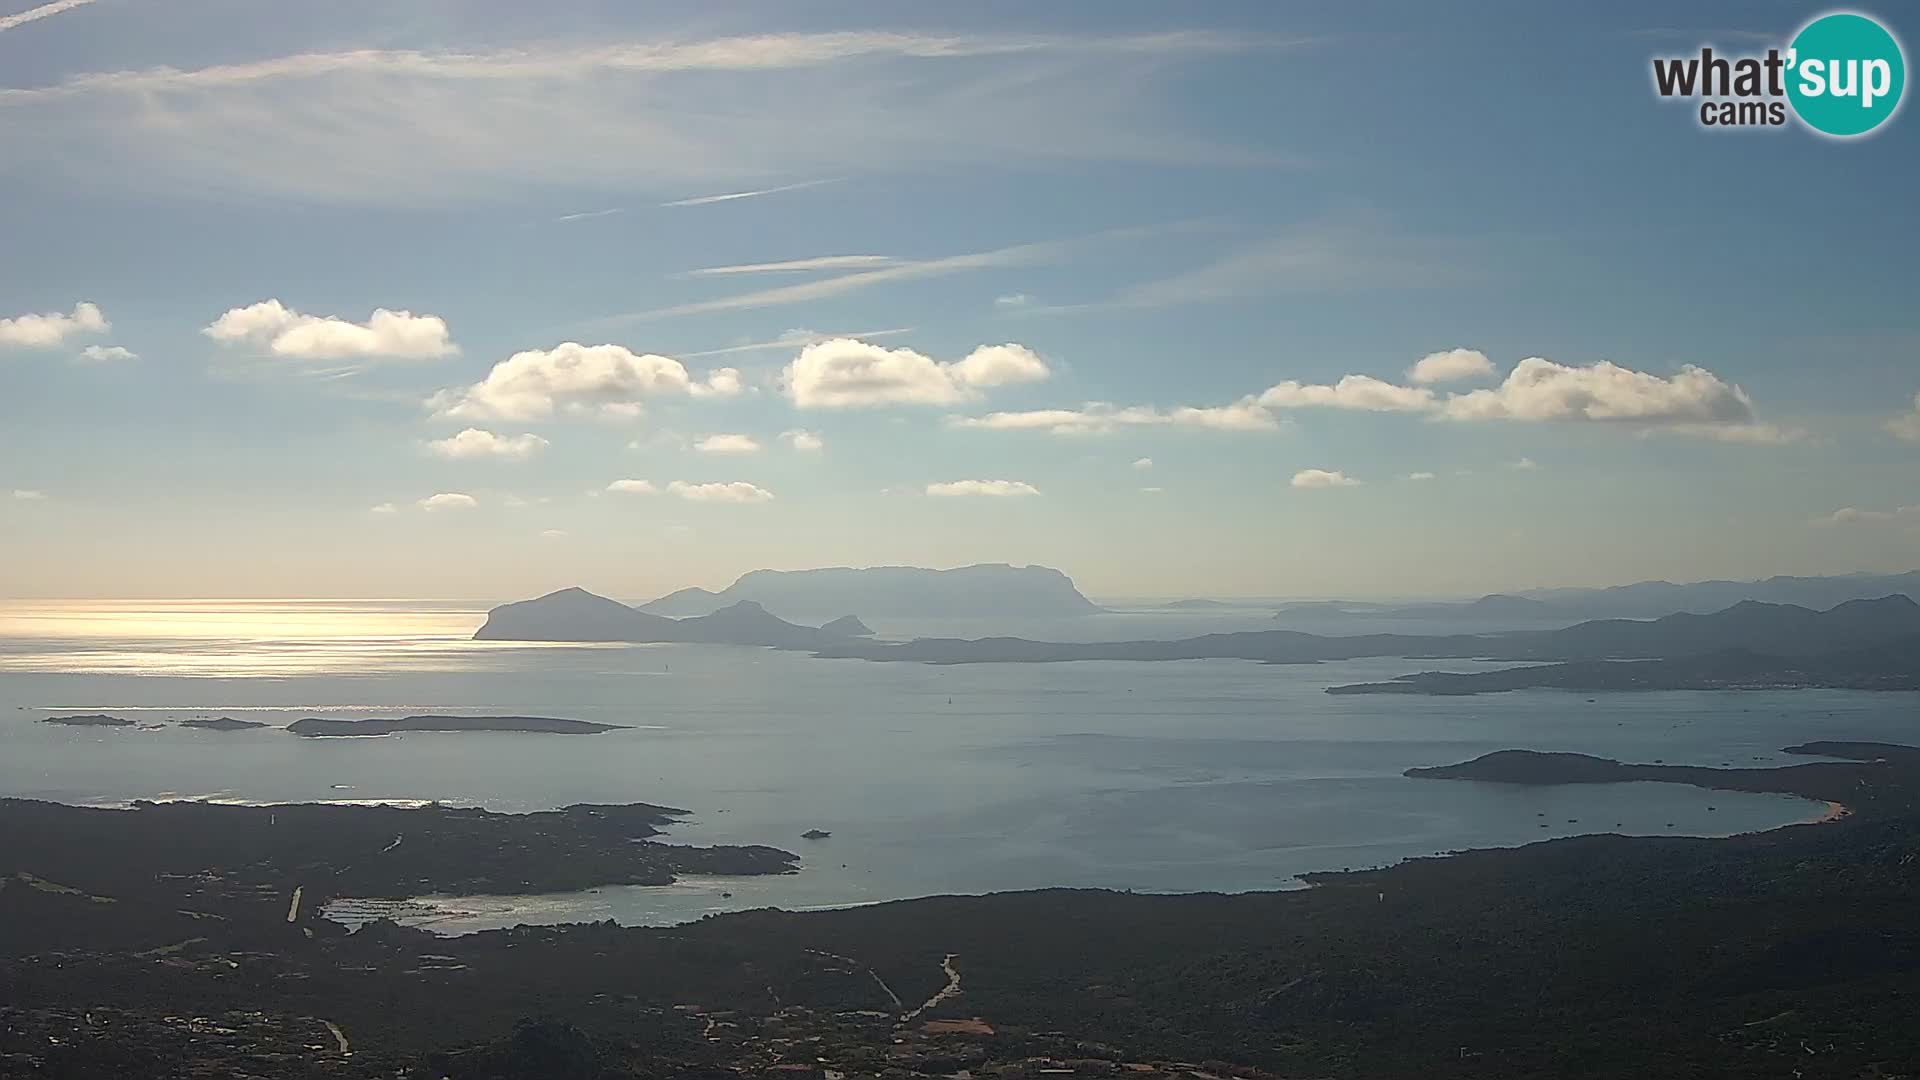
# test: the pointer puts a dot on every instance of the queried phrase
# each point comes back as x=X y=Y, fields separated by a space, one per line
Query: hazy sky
x=478 y=299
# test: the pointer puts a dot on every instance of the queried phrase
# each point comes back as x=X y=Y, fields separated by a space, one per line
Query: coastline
x=1834 y=811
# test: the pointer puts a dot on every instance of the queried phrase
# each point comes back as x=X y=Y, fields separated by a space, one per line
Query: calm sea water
x=1188 y=776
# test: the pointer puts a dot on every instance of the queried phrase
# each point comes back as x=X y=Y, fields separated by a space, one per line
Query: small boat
x=815 y=834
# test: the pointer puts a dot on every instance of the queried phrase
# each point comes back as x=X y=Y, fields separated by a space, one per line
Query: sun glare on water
x=236 y=637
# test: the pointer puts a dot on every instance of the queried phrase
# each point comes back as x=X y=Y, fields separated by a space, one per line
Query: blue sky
x=1186 y=224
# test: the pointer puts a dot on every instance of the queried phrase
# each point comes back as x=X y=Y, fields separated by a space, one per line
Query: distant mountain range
x=986 y=590
x=1643 y=600
x=1778 y=630
x=578 y=615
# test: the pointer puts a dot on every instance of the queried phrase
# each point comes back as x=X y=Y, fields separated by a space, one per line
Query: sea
x=1188 y=776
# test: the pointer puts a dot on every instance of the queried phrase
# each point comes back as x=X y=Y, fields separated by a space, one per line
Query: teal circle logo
x=1845 y=74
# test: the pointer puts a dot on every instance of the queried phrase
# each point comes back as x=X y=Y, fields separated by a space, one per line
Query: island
x=847 y=626
x=577 y=615
x=986 y=590
x=89 y=720
x=222 y=723
x=318 y=727
x=1881 y=779
x=1892 y=666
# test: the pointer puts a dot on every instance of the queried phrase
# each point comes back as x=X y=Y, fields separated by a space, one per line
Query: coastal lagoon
x=1163 y=777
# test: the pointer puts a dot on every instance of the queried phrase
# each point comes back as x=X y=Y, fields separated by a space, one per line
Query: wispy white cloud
x=1420 y=476
x=632 y=487
x=8 y=22
x=704 y=200
x=29 y=495
x=383 y=508
x=1143 y=463
x=797 y=266
x=839 y=285
x=1343 y=251
x=797 y=339
x=44 y=331
x=999 y=489
x=477 y=125
x=801 y=439
x=588 y=215
x=845 y=373
x=282 y=331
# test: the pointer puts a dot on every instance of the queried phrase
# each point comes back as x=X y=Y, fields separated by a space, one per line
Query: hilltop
x=985 y=590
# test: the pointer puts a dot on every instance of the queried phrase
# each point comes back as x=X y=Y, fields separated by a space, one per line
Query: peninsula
x=317 y=727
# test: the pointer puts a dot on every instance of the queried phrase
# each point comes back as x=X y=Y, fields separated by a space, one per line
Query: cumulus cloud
x=1097 y=418
x=632 y=487
x=1143 y=463
x=29 y=495
x=448 y=500
x=384 y=508
x=848 y=373
x=1693 y=402
x=282 y=331
x=1907 y=426
x=1012 y=300
x=531 y=385
x=1525 y=464
x=1452 y=365
x=1323 y=478
x=728 y=444
x=719 y=383
x=1359 y=392
x=1539 y=389
x=107 y=354
x=802 y=439
x=1420 y=476
x=476 y=443
x=992 y=488
x=44 y=331
x=738 y=491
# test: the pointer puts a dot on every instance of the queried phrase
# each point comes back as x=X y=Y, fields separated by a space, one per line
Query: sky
x=480 y=299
